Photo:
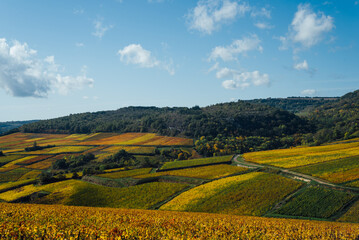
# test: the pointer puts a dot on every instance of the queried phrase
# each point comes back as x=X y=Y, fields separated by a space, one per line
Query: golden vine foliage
x=26 y=221
x=301 y=156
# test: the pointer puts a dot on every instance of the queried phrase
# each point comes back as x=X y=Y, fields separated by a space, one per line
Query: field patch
x=63 y=149
x=353 y=184
x=10 y=185
x=34 y=159
x=206 y=172
x=301 y=156
x=196 y=162
x=9 y=158
x=30 y=175
x=248 y=194
x=127 y=173
x=317 y=202
x=45 y=164
x=337 y=171
x=79 y=193
x=352 y=215
x=151 y=139
x=13 y=175
x=142 y=196
x=131 y=149
x=61 y=190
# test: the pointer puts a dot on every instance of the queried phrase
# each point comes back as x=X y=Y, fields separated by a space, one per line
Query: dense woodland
x=7 y=126
x=297 y=105
x=229 y=119
x=337 y=120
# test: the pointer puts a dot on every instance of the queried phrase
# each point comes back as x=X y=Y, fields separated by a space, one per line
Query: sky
x=71 y=56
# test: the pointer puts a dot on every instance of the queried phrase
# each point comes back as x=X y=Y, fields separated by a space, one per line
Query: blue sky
x=63 y=57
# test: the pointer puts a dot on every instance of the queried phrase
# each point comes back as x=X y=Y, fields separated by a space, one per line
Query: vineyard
x=316 y=202
x=261 y=184
x=124 y=174
x=26 y=221
x=248 y=194
x=196 y=162
x=206 y=172
x=337 y=163
x=300 y=156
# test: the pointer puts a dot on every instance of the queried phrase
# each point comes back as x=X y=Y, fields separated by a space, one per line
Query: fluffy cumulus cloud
x=307 y=28
x=209 y=15
x=301 y=66
x=23 y=74
x=236 y=79
x=308 y=92
x=100 y=28
x=239 y=46
x=137 y=55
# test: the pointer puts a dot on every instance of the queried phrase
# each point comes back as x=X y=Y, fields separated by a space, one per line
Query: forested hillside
x=229 y=119
x=7 y=126
x=305 y=121
x=339 y=119
x=298 y=105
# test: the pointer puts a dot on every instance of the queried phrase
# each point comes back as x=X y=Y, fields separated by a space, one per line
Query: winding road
x=240 y=161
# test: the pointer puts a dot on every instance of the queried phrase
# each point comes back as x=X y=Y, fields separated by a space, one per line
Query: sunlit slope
x=337 y=163
x=59 y=222
x=247 y=194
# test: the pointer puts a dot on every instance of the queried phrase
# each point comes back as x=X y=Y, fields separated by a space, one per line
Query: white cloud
x=135 y=54
x=80 y=45
x=301 y=66
x=263 y=25
x=308 y=28
x=209 y=15
x=308 y=92
x=263 y=12
x=240 y=46
x=229 y=84
x=304 y=66
x=236 y=79
x=23 y=74
x=100 y=28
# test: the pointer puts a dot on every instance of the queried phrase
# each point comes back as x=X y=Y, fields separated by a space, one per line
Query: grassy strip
x=122 y=182
x=206 y=172
x=195 y=162
x=12 y=185
x=124 y=174
x=9 y=158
